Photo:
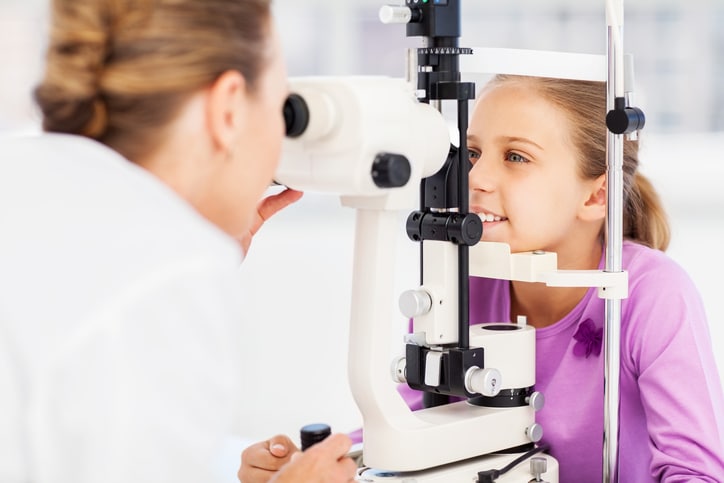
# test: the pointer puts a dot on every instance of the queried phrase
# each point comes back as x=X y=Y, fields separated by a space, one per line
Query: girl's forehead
x=518 y=98
x=516 y=109
x=515 y=95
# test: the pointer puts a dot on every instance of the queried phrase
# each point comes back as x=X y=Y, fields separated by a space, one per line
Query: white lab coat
x=120 y=333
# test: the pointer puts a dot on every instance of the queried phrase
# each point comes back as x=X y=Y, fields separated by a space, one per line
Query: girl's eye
x=473 y=156
x=516 y=158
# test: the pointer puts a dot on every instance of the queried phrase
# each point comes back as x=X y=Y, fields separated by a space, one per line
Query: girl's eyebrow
x=472 y=137
x=509 y=139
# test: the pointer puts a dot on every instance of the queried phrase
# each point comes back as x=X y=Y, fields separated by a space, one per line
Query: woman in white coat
x=121 y=321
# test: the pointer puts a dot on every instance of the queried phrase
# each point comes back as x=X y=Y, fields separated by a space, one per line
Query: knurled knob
x=538 y=466
x=415 y=302
x=486 y=382
x=390 y=14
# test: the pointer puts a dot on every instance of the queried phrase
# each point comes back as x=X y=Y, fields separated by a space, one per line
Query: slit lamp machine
x=383 y=145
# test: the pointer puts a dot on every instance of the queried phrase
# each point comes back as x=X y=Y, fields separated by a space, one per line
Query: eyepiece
x=296 y=115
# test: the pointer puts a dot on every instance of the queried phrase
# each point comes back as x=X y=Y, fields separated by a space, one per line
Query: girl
x=121 y=329
x=538 y=181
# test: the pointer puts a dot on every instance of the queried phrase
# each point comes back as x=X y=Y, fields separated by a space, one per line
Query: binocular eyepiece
x=296 y=115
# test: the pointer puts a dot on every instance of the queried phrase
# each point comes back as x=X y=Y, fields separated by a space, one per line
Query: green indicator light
x=425 y=1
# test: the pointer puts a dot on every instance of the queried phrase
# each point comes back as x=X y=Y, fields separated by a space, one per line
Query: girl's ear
x=226 y=109
x=594 y=208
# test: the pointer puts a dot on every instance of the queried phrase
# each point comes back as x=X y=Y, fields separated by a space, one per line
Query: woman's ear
x=227 y=109
x=594 y=207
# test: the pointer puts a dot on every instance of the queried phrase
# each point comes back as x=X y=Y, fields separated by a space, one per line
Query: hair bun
x=69 y=95
x=98 y=122
x=120 y=71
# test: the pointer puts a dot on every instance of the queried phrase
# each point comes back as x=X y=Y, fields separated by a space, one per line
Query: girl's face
x=524 y=181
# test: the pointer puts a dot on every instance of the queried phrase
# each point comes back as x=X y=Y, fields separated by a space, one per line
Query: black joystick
x=313 y=433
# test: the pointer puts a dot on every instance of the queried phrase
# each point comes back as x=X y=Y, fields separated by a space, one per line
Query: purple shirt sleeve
x=668 y=365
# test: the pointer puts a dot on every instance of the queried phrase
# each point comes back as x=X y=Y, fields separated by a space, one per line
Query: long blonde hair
x=119 y=70
x=644 y=219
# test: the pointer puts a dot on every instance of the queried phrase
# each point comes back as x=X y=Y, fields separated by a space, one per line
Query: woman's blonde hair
x=584 y=103
x=119 y=70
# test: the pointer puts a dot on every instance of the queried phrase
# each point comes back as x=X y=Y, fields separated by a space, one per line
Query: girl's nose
x=482 y=176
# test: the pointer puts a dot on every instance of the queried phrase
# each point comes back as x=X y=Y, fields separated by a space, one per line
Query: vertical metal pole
x=463 y=250
x=614 y=246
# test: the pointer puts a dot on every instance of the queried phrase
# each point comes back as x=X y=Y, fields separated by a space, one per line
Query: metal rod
x=463 y=250
x=614 y=249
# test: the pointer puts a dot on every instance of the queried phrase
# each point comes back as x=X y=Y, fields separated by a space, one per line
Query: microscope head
x=359 y=136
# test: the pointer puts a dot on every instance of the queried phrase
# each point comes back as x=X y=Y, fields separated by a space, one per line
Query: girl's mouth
x=489 y=217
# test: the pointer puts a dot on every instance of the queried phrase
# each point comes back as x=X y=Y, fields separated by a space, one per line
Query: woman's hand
x=325 y=462
x=265 y=209
x=261 y=461
x=279 y=461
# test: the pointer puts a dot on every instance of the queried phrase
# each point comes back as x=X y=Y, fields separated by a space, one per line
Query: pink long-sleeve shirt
x=672 y=408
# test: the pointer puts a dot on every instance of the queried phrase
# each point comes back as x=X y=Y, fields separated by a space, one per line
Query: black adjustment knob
x=470 y=229
x=624 y=120
x=313 y=433
x=391 y=170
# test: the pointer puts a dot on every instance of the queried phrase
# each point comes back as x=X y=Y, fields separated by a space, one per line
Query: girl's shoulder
x=663 y=305
x=652 y=269
x=658 y=287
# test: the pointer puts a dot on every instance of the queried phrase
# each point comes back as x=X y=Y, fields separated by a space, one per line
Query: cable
x=489 y=476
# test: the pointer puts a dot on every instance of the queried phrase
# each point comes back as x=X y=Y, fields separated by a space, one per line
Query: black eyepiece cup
x=296 y=115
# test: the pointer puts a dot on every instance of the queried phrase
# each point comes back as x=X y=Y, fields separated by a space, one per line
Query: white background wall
x=299 y=270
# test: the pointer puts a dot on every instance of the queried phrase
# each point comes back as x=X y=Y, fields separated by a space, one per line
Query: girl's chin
x=492 y=232
x=488 y=237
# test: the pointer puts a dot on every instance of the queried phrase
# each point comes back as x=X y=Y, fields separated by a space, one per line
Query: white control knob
x=534 y=432
x=389 y=14
x=398 y=368
x=415 y=302
x=486 y=382
x=536 y=400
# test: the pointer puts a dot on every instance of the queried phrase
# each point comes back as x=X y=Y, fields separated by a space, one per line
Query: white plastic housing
x=511 y=351
x=351 y=121
x=439 y=265
x=538 y=63
x=396 y=438
x=467 y=471
x=494 y=260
